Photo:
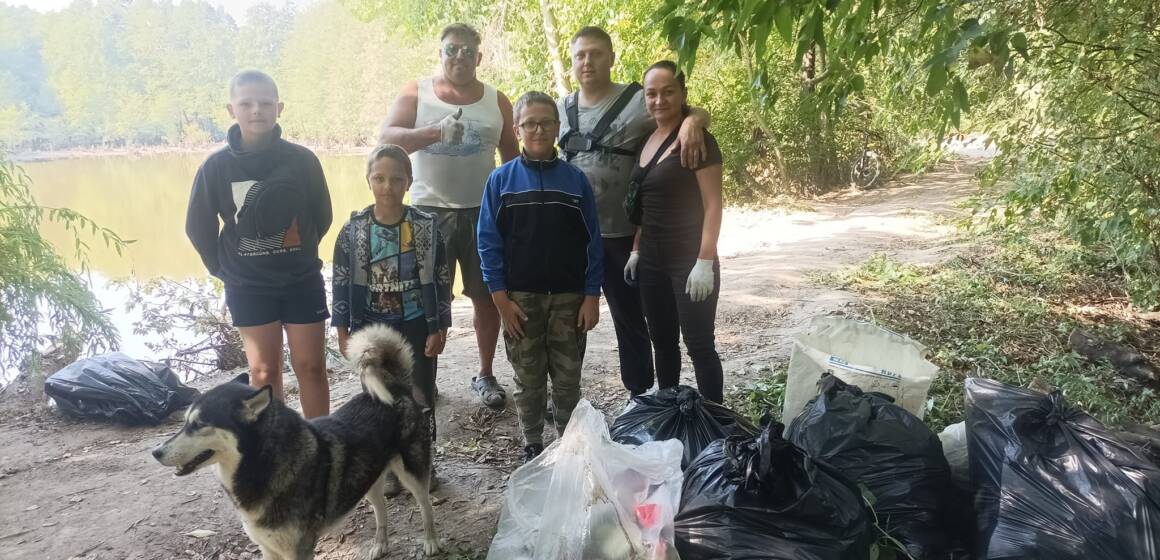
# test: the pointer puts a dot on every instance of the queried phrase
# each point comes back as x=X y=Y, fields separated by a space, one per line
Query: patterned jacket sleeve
x=340 y=279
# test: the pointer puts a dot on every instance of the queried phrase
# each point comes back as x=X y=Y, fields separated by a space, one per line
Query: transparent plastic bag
x=954 y=444
x=588 y=497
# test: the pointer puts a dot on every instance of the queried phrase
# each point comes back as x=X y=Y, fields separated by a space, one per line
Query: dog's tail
x=381 y=357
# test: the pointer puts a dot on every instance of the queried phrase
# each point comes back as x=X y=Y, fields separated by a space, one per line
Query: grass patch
x=1003 y=309
x=767 y=394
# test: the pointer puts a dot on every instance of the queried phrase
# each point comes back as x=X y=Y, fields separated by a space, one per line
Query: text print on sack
x=836 y=362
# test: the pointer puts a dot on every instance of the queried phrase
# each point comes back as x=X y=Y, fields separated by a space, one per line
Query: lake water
x=143 y=198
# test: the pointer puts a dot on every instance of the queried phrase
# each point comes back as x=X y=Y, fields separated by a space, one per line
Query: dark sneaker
x=489 y=391
x=392 y=487
x=532 y=451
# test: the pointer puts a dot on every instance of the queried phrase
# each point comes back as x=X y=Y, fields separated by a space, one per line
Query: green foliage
x=154 y=72
x=43 y=302
x=338 y=90
x=1004 y=311
x=1078 y=134
x=168 y=308
x=764 y=398
x=123 y=73
x=1068 y=90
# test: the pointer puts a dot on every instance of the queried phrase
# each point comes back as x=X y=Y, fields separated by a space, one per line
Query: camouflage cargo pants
x=552 y=347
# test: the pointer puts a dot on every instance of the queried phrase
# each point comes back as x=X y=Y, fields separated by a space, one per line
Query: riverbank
x=38 y=156
x=91 y=490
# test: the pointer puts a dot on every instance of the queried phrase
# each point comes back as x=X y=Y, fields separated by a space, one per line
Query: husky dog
x=291 y=479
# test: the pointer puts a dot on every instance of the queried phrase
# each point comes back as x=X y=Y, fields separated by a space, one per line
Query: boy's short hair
x=462 y=30
x=592 y=32
x=391 y=151
x=534 y=97
x=251 y=77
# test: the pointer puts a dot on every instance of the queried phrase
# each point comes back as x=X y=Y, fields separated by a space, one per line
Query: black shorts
x=252 y=307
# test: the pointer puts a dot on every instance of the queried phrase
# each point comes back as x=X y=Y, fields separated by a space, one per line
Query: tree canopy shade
x=1069 y=90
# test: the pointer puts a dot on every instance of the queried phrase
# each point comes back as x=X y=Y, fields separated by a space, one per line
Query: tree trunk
x=563 y=85
x=809 y=68
x=759 y=116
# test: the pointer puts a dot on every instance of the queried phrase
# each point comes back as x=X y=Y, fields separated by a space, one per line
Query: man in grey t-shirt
x=609 y=169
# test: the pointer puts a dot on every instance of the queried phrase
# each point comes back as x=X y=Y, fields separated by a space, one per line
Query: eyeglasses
x=530 y=126
x=460 y=51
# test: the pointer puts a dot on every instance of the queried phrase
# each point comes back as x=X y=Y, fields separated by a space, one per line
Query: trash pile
x=763 y=497
x=678 y=413
x=857 y=475
x=888 y=450
x=1052 y=482
x=119 y=388
x=588 y=497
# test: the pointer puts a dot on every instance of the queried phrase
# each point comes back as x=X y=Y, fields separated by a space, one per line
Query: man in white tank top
x=452 y=124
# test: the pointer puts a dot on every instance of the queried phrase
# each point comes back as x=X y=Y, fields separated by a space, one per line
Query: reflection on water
x=144 y=199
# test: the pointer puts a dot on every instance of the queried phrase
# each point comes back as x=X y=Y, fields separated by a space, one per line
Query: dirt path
x=81 y=490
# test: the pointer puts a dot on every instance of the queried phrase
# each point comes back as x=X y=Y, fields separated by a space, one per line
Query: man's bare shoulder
x=410 y=89
x=502 y=99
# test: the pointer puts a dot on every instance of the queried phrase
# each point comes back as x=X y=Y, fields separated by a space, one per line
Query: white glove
x=630 y=268
x=451 y=129
x=700 y=282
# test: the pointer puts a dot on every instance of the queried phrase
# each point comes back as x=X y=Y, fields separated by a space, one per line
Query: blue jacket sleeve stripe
x=490 y=242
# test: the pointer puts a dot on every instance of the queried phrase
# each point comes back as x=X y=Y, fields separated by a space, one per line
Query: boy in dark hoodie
x=542 y=259
x=258 y=209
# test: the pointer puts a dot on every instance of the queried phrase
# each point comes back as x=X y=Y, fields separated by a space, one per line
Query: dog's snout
x=157 y=452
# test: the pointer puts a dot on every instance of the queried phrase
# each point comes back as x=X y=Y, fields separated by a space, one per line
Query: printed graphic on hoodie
x=266 y=218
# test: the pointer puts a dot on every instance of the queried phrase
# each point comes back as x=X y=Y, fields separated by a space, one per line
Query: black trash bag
x=1053 y=483
x=888 y=450
x=119 y=388
x=763 y=497
x=678 y=413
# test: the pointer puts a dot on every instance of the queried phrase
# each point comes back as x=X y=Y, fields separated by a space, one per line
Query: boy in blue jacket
x=541 y=254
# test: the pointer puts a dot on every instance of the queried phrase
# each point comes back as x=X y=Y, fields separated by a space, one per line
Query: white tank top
x=453 y=176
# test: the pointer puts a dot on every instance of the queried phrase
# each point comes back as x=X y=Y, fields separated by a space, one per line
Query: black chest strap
x=593 y=137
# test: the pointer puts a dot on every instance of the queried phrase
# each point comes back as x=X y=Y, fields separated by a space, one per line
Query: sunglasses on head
x=461 y=51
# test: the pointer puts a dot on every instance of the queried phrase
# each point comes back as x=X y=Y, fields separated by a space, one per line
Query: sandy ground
x=83 y=490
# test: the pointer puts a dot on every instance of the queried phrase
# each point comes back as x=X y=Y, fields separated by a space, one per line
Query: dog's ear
x=253 y=406
x=244 y=379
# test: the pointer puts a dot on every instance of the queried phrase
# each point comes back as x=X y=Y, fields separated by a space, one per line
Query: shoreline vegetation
x=39 y=156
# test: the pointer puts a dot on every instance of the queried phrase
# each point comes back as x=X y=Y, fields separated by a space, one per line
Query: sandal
x=489 y=391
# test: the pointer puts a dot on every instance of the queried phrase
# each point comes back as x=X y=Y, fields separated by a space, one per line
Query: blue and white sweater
x=538 y=229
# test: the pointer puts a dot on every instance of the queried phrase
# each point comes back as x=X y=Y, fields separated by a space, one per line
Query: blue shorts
x=250 y=307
